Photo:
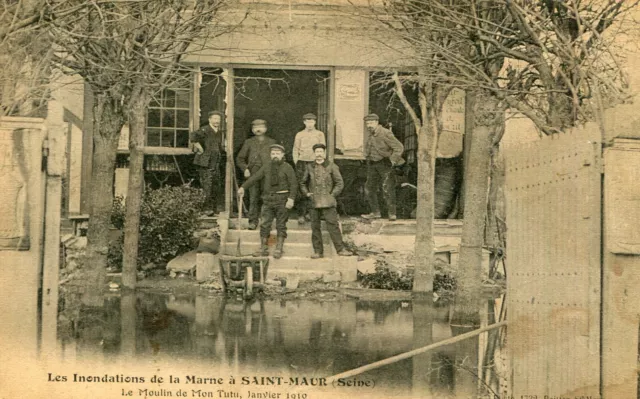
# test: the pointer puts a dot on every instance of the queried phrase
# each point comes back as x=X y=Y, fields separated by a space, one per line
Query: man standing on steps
x=322 y=183
x=279 y=189
x=383 y=151
x=303 y=156
x=255 y=153
x=208 y=145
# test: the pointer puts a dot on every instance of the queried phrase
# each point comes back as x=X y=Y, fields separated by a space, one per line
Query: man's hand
x=240 y=192
x=289 y=203
x=197 y=148
x=309 y=195
x=247 y=173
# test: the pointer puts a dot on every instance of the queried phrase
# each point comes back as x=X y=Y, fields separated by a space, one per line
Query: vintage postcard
x=306 y=199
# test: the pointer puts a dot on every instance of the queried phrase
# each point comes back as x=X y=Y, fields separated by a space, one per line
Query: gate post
x=621 y=269
x=56 y=164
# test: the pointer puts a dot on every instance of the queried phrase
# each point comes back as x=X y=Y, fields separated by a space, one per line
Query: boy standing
x=303 y=155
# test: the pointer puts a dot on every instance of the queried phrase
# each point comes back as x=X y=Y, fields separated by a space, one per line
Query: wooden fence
x=553 y=195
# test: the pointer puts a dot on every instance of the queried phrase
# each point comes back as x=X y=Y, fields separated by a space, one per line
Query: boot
x=277 y=254
x=372 y=215
x=264 y=248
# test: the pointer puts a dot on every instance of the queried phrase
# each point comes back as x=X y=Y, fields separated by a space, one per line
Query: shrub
x=387 y=279
x=444 y=281
x=168 y=219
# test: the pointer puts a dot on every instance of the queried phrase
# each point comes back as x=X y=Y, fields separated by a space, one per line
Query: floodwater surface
x=292 y=337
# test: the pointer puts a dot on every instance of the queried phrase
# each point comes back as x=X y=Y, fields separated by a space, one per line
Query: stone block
x=332 y=277
x=366 y=266
x=349 y=274
x=292 y=282
x=205 y=265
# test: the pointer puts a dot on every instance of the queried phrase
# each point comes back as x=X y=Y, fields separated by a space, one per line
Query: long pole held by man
x=279 y=190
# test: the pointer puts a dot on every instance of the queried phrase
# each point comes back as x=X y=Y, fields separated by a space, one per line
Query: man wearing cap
x=279 y=189
x=255 y=153
x=322 y=183
x=303 y=155
x=208 y=145
x=383 y=151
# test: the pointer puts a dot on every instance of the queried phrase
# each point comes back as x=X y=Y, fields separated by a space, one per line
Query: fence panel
x=553 y=193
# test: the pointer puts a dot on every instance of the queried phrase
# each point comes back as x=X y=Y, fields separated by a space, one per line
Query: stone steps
x=304 y=250
x=293 y=236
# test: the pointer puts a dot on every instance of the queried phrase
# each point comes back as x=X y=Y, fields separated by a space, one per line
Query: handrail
x=407 y=355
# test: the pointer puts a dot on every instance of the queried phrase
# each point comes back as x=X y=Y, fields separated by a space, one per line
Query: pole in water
x=407 y=355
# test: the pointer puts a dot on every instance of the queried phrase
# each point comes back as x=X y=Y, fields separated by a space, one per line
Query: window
x=168 y=118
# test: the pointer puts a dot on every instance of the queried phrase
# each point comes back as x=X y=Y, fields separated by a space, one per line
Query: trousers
x=273 y=207
x=380 y=173
x=302 y=203
x=330 y=216
x=210 y=180
x=255 y=199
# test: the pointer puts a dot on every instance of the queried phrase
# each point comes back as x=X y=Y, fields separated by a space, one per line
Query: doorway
x=280 y=97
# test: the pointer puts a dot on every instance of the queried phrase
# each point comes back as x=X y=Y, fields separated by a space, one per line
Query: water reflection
x=304 y=337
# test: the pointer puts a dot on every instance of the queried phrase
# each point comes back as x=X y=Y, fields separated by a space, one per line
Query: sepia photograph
x=309 y=199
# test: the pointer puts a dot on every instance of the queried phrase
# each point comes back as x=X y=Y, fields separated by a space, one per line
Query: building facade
x=282 y=59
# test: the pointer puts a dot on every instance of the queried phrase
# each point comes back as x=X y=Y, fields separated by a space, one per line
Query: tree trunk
x=488 y=118
x=426 y=158
x=108 y=122
x=137 y=118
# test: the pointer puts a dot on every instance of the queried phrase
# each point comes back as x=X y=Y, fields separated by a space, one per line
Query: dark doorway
x=280 y=97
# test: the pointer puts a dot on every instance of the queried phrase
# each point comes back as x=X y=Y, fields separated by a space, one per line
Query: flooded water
x=294 y=337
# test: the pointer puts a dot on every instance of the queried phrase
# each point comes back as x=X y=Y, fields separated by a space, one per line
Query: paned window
x=168 y=118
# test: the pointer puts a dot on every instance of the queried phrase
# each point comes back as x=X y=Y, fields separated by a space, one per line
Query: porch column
x=229 y=114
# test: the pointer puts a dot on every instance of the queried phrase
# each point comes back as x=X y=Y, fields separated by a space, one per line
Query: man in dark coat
x=322 y=183
x=383 y=151
x=255 y=153
x=208 y=144
x=279 y=190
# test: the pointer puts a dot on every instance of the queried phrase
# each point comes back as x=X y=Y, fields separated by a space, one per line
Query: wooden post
x=87 y=149
x=230 y=172
x=331 y=116
x=56 y=165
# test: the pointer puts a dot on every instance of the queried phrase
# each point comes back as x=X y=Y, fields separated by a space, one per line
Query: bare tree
x=545 y=59
x=127 y=51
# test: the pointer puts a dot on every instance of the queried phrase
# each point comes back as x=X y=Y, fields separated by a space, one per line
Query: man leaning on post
x=208 y=145
x=383 y=151
x=279 y=190
x=322 y=183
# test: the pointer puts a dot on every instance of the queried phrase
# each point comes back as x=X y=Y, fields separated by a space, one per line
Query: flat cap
x=276 y=147
x=319 y=145
x=371 y=117
x=309 y=116
x=258 y=122
x=212 y=113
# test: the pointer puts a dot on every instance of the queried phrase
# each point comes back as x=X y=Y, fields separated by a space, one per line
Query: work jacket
x=324 y=181
x=286 y=180
x=383 y=144
x=212 y=143
x=254 y=153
